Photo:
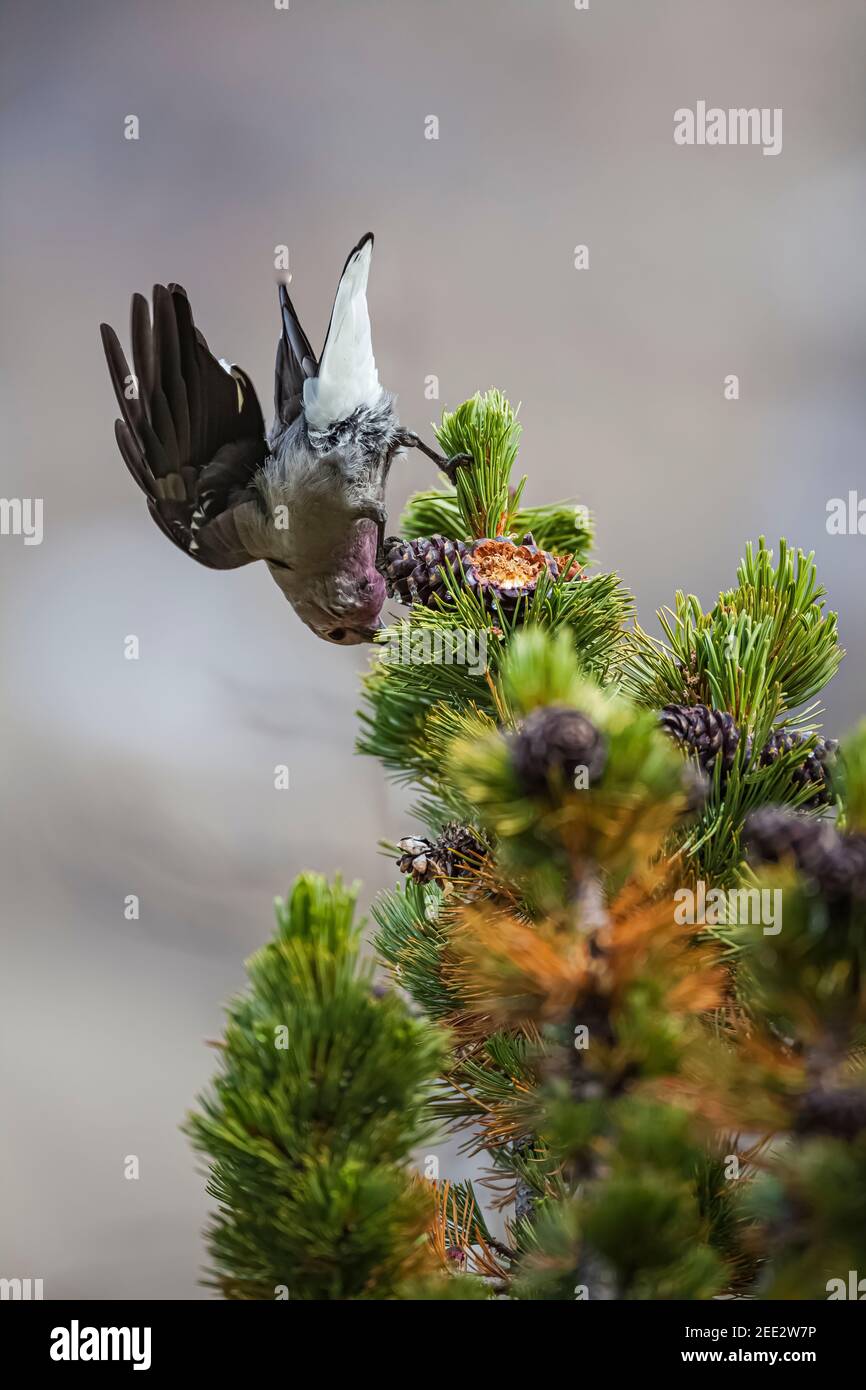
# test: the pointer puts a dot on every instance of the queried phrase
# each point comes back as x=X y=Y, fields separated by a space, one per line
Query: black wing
x=295 y=363
x=192 y=434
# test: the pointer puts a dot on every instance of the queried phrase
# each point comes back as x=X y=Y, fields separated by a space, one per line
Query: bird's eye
x=336 y=634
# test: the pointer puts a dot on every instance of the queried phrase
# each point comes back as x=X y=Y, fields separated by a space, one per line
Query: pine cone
x=556 y=740
x=813 y=771
x=840 y=1113
x=500 y=571
x=834 y=863
x=455 y=854
x=708 y=733
x=711 y=734
x=413 y=569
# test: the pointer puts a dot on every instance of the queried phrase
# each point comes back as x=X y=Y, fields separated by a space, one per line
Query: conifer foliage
x=664 y=1101
x=310 y=1123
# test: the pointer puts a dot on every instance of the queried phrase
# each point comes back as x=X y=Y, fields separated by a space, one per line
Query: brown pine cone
x=834 y=863
x=456 y=853
x=413 y=569
x=710 y=734
x=554 y=741
x=498 y=570
x=815 y=768
x=840 y=1113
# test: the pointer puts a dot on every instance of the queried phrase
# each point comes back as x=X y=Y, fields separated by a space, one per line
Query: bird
x=307 y=497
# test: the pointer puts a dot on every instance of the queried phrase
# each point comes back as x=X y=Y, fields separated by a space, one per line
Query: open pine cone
x=500 y=570
x=455 y=854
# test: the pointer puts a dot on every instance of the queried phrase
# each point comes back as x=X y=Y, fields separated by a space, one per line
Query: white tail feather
x=347 y=375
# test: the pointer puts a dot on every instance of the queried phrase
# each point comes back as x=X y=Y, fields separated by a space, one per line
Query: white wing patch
x=347 y=375
x=227 y=367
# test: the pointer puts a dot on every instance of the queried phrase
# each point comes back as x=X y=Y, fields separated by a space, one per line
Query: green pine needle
x=563 y=528
x=766 y=647
x=486 y=429
x=309 y=1126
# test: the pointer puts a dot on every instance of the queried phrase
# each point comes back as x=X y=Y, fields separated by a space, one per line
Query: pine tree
x=596 y=814
x=310 y=1124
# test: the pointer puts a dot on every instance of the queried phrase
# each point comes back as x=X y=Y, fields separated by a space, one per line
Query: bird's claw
x=450 y=466
x=408 y=439
x=386 y=545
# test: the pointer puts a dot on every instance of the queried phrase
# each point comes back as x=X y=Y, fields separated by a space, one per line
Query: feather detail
x=191 y=432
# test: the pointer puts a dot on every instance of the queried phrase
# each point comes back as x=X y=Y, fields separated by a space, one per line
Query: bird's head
x=343 y=608
x=342 y=603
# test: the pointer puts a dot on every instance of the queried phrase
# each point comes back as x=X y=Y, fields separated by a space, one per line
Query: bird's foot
x=449 y=466
x=452 y=465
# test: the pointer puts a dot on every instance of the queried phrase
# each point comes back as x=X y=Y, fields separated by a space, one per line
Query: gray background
x=261 y=127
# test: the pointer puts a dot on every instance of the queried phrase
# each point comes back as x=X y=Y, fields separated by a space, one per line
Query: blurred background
x=306 y=127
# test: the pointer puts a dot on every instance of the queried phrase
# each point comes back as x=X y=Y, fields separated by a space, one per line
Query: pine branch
x=619 y=820
x=540 y=910
x=486 y=428
x=309 y=1126
x=765 y=648
x=797 y=1072
x=850 y=779
x=413 y=940
x=561 y=527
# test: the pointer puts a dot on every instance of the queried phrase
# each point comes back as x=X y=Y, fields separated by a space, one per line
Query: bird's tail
x=347 y=376
x=295 y=363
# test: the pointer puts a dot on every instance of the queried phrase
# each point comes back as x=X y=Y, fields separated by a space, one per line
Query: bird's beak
x=368 y=634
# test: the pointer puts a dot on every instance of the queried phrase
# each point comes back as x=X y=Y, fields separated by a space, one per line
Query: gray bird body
x=308 y=498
